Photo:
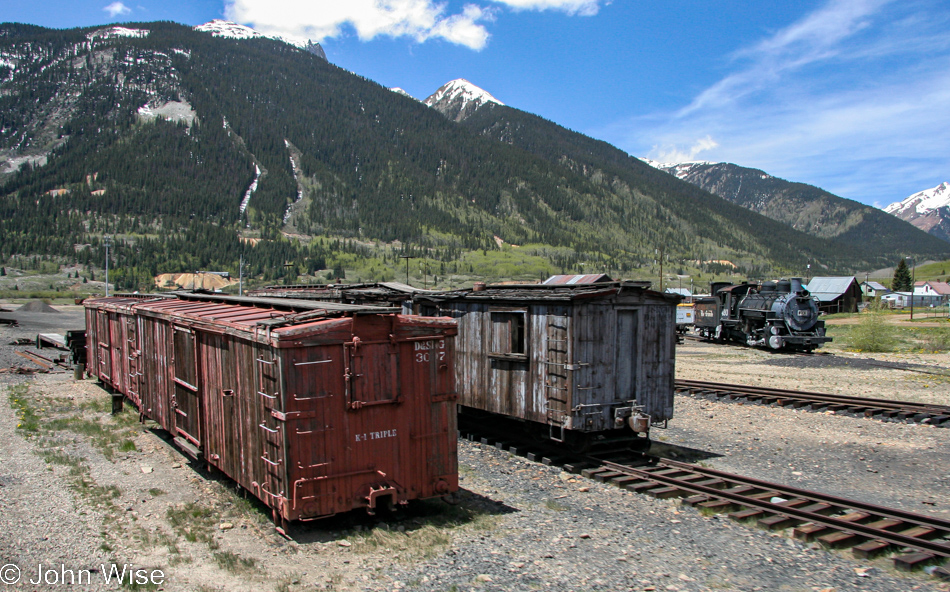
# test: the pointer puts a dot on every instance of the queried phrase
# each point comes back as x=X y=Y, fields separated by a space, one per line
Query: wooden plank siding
x=591 y=353
x=313 y=416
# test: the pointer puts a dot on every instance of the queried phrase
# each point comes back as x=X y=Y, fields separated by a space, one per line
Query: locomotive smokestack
x=796 y=285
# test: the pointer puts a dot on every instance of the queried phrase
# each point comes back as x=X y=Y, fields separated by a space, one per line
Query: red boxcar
x=316 y=408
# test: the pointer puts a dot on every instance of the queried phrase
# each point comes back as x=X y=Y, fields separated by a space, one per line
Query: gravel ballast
x=519 y=525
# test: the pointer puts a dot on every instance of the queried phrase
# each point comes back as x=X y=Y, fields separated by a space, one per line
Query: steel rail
x=847 y=401
x=799 y=508
x=908 y=519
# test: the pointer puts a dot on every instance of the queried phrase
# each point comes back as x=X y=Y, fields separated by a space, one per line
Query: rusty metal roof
x=286 y=304
x=570 y=280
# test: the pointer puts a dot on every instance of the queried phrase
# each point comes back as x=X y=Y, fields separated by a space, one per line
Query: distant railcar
x=316 y=408
x=685 y=316
x=581 y=363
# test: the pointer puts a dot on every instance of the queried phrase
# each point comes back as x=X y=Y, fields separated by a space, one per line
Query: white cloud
x=319 y=19
x=572 y=7
x=815 y=38
x=673 y=153
x=117 y=8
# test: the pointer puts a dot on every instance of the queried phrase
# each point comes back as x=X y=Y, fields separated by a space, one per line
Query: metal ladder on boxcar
x=271 y=430
x=132 y=350
x=556 y=380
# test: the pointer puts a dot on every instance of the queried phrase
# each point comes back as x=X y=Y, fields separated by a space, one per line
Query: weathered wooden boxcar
x=585 y=362
x=316 y=408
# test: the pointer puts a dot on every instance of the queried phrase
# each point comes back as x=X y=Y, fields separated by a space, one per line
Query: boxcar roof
x=385 y=291
x=286 y=304
x=546 y=293
x=237 y=312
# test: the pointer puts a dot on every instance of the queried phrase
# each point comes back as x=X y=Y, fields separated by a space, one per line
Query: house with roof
x=938 y=291
x=902 y=300
x=684 y=292
x=836 y=293
x=874 y=289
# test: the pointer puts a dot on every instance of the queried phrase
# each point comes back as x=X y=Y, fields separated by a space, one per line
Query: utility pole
x=407 y=258
x=107 y=241
x=241 y=277
x=913 y=282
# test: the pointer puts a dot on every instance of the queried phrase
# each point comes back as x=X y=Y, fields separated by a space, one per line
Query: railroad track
x=869 y=530
x=835 y=522
x=937 y=415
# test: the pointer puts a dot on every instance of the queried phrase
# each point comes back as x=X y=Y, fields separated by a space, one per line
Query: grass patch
x=555 y=506
x=149 y=585
x=155 y=492
x=234 y=563
x=933 y=339
x=108 y=434
x=425 y=542
x=27 y=419
x=192 y=522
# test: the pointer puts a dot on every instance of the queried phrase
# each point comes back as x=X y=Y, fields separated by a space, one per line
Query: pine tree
x=901 y=281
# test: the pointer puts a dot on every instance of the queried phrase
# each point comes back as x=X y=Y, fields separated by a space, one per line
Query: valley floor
x=76 y=496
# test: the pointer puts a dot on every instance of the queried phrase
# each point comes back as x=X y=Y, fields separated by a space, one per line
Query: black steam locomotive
x=780 y=315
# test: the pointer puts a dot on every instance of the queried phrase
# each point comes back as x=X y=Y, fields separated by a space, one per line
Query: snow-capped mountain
x=459 y=98
x=928 y=210
x=231 y=30
x=400 y=91
x=680 y=170
x=804 y=207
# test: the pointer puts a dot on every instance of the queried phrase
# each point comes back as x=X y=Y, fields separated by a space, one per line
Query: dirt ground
x=83 y=488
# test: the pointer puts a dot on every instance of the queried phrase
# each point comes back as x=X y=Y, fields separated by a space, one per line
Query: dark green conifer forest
x=349 y=172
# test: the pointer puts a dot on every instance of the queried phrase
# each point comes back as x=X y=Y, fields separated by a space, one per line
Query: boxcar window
x=509 y=335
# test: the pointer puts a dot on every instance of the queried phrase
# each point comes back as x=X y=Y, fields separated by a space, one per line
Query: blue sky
x=850 y=95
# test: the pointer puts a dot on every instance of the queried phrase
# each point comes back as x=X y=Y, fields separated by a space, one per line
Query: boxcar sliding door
x=627 y=355
x=187 y=404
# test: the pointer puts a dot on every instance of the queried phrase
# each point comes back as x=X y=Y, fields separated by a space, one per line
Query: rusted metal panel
x=570 y=280
x=315 y=410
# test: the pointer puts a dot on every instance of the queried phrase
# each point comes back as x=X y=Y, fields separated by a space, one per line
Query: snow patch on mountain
x=400 y=91
x=922 y=201
x=251 y=189
x=232 y=30
x=169 y=111
x=463 y=90
x=678 y=169
x=113 y=32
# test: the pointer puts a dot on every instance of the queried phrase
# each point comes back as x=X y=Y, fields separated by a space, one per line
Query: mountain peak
x=928 y=210
x=459 y=98
x=681 y=170
x=232 y=30
x=922 y=201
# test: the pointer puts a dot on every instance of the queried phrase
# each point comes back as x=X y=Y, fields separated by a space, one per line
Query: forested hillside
x=808 y=208
x=161 y=135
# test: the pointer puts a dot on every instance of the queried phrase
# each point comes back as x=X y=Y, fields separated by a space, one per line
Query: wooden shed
x=575 y=359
